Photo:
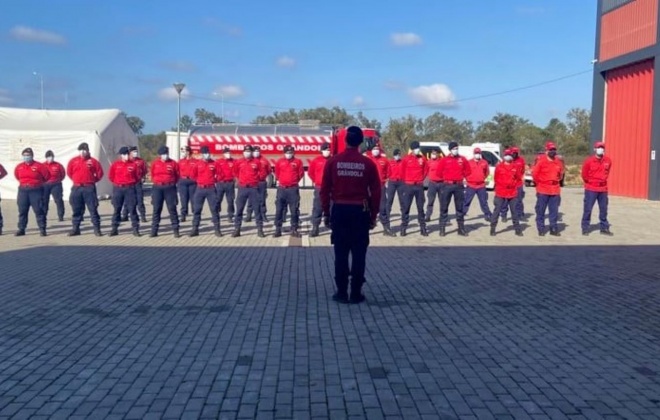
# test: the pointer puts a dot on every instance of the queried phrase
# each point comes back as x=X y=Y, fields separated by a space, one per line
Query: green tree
x=578 y=121
x=185 y=123
x=149 y=144
x=400 y=132
x=202 y=116
x=440 y=127
x=362 y=121
x=136 y=123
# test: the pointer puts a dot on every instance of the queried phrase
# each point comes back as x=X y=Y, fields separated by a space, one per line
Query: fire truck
x=306 y=137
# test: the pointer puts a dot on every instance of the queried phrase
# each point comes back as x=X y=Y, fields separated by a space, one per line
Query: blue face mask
x=27 y=159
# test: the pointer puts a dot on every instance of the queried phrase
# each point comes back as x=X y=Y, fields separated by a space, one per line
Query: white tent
x=104 y=130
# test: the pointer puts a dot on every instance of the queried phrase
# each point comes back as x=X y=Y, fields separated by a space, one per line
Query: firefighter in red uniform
x=266 y=170
x=85 y=172
x=520 y=203
x=248 y=173
x=141 y=164
x=394 y=182
x=225 y=185
x=205 y=173
x=507 y=175
x=595 y=171
x=31 y=176
x=187 y=184
x=350 y=196
x=3 y=173
x=547 y=173
x=54 y=185
x=435 y=184
x=288 y=171
x=315 y=172
x=383 y=166
x=476 y=184
x=453 y=169
x=165 y=176
x=124 y=174
x=414 y=170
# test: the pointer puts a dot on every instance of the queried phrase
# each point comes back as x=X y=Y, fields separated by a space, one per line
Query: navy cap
x=204 y=149
x=289 y=149
x=453 y=145
x=83 y=146
x=247 y=148
x=28 y=151
x=132 y=148
x=396 y=152
x=50 y=153
x=414 y=145
x=354 y=136
x=163 y=150
x=123 y=150
x=325 y=146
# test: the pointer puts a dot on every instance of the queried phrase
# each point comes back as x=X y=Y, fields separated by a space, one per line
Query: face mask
x=124 y=157
x=477 y=156
x=289 y=155
x=49 y=159
x=508 y=158
x=552 y=153
x=134 y=154
x=83 y=153
x=164 y=157
x=454 y=152
x=600 y=151
x=227 y=155
x=434 y=156
x=27 y=159
x=416 y=151
x=256 y=154
x=206 y=156
x=397 y=157
x=375 y=152
x=325 y=153
x=247 y=155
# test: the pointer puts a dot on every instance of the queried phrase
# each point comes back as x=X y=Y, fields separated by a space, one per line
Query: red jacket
x=225 y=169
x=124 y=173
x=350 y=178
x=383 y=166
x=32 y=174
x=595 y=172
x=453 y=169
x=315 y=170
x=204 y=173
x=265 y=168
x=248 y=172
x=185 y=167
x=547 y=174
x=395 y=170
x=414 y=169
x=141 y=164
x=507 y=176
x=479 y=171
x=164 y=172
x=433 y=170
x=289 y=172
x=57 y=172
x=84 y=170
x=520 y=161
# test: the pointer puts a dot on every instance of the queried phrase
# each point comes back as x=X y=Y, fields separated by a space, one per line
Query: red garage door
x=628 y=108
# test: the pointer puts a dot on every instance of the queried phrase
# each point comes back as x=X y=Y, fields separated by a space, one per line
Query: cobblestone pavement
x=206 y=327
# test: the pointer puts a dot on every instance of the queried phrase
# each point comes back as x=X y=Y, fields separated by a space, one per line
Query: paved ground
x=454 y=327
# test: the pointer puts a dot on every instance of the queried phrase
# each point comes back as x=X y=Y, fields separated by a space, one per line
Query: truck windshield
x=369 y=142
x=426 y=151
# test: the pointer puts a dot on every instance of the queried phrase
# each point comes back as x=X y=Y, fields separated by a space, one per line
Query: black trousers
x=394 y=188
x=201 y=195
x=287 y=197
x=139 y=202
x=434 y=191
x=501 y=204
x=186 y=188
x=350 y=238
x=56 y=191
x=124 y=198
x=30 y=197
x=410 y=193
x=317 y=211
x=244 y=195
x=226 y=189
x=449 y=191
x=161 y=194
x=263 y=196
x=81 y=197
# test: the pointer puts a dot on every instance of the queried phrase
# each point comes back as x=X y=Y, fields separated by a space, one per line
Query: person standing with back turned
x=350 y=198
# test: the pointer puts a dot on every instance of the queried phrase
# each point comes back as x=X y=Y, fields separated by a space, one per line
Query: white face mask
x=325 y=153
x=50 y=159
x=600 y=151
x=508 y=158
x=397 y=157
x=434 y=156
x=206 y=156
x=134 y=154
x=416 y=151
x=227 y=155
x=375 y=152
x=288 y=155
x=124 y=157
x=477 y=156
x=27 y=158
x=454 y=152
x=247 y=155
x=83 y=153
x=256 y=154
x=164 y=157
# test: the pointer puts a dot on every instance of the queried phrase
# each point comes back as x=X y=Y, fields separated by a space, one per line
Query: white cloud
x=229 y=91
x=179 y=65
x=405 y=39
x=27 y=34
x=358 y=101
x=169 y=93
x=435 y=96
x=285 y=62
x=5 y=97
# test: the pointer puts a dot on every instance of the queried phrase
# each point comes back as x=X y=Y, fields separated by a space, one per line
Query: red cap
x=550 y=145
x=515 y=149
x=599 y=144
x=508 y=152
x=477 y=150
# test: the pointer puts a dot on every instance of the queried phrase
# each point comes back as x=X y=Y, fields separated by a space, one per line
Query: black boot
x=554 y=232
x=315 y=232
x=493 y=229
x=74 y=232
x=461 y=230
x=404 y=231
x=387 y=231
x=294 y=232
x=0 y=230
x=136 y=232
x=442 y=231
x=424 y=231
x=218 y=233
x=236 y=233
x=124 y=219
x=356 y=293
x=154 y=232
x=606 y=232
x=278 y=232
x=541 y=232
x=176 y=233
x=183 y=218
x=20 y=232
x=519 y=231
x=194 y=232
x=114 y=231
x=427 y=218
x=248 y=218
x=97 y=231
x=42 y=232
x=143 y=219
x=260 y=232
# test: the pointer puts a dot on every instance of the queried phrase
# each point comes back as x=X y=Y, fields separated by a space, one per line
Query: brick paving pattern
x=206 y=327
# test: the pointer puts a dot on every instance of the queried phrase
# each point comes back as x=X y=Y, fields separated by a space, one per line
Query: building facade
x=626 y=94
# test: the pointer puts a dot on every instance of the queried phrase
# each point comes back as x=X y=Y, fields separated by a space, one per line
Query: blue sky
x=356 y=54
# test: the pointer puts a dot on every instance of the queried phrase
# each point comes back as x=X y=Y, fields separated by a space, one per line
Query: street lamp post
x=222 y=106
x=179 y=87
x=41 y=79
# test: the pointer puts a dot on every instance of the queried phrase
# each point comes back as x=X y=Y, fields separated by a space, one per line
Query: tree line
x=572 y=133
